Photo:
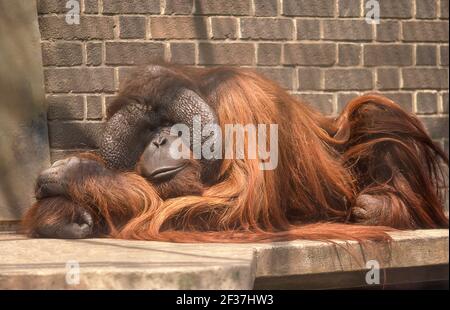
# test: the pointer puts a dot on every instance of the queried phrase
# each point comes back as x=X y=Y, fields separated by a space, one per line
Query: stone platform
x=413 y=257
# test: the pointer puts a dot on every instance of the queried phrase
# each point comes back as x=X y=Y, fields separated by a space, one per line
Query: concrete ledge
x=413 y=256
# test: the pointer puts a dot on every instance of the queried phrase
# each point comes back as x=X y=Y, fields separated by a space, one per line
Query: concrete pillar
x=24 y=148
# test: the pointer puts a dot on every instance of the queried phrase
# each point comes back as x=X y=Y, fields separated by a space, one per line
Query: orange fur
x=373 y=147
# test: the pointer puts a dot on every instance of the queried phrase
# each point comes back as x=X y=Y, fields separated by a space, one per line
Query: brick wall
x=321 y=50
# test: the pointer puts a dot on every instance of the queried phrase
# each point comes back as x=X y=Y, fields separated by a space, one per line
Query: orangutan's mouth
x=164 y=173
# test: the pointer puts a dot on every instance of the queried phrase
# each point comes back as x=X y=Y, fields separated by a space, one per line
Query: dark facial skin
x=127 y=134
x=172 y=177
x=130 y=141
x=156 y=163
x=129 y=129
x=137 y=138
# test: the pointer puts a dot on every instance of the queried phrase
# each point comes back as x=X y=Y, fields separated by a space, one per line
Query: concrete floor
x=413 y=256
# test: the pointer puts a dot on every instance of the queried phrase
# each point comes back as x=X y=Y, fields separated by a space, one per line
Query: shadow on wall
x=69 y=138
x=200 y=28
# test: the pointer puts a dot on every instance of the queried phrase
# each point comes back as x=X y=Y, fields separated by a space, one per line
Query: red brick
x=426 y=9
x=94 y=107
x=348 y=79
x=133 y=53
x=388 y=31
x=226 y=54
x=403 y=99
x=388 y=78
x=427 y=103
x=90 y=6
x=310 y=79
x=178 y=27
x=61 y=54
x=444 y=9
x=344 y=98
x=267 y=28
x=347 y=30
x=132 y=27
x=182 y=53
x=308 y=29
x=282 y=76
x=266 y=7
x=321 y=102
x=388 y=55
x=349 y=54
x=131 y=6
x=224 y=27
x=223 y=7
x=65 y=107
x=179 y=7
x=437 y=127
x=396 y=8
x=312 y=8
x=349 y=8
x=94 y=51
x=51 y=6
x=269 y=54
x=425 y=78
x=310 y=54
x=443 y=58
x=425 y=31
x=90 y=28
x=79 y=80
x=75 y=135
x=426 y=55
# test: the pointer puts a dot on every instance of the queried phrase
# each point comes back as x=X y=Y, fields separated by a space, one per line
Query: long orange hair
x=324 y=164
